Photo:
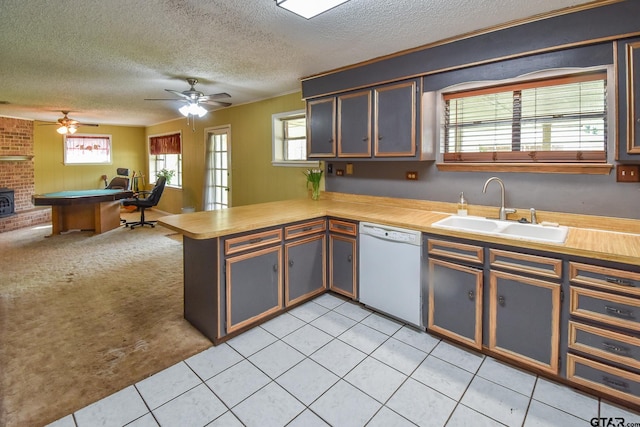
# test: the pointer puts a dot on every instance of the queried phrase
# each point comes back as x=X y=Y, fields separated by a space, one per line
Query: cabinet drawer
x=614 y=346
x=604 y=307
x=459 y=251
x=607 y=379
x=252 y=241
x=605 y=278
x=524 y=263
x=304 y=229
x=344 y=227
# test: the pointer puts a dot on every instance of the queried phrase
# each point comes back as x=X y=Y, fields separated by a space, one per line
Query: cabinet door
x=455 y=301
x=629 y=99
x=342 y=265
x=354 y=125
x=524 y=320
x=253 y=286
x=321 y=128
x=395 y=120
x=305 y=268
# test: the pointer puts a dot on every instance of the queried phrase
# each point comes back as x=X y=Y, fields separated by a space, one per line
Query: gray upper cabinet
x=395 y=120
x=629 y=99
x=321 y=128
x=354 y=124
x=377 y=123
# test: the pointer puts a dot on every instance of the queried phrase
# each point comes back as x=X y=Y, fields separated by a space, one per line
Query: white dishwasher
x=389 y=265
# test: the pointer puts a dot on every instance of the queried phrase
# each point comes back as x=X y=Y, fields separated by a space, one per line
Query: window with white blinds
x=561 y=119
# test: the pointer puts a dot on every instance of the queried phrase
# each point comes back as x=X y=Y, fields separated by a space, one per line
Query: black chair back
x=154 y=197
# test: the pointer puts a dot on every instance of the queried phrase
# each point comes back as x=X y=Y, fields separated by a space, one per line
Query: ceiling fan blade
x=164 y=99
x=216 y=103
x=180 y=94
x=87 y=124
x=215 y=96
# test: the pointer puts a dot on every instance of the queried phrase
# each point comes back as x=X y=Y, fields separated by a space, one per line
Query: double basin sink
x=508 y=229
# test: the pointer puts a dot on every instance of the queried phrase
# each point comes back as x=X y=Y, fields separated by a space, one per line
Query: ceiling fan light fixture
x=62 y=130
x=309 y=8
x=192 y=109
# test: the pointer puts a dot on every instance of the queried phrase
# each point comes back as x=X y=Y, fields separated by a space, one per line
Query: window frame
x=107 y=159
x=510 y=161
x=278 y=141
x=176 y=182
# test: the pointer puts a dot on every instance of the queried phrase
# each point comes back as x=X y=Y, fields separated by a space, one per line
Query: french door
x=217 y=185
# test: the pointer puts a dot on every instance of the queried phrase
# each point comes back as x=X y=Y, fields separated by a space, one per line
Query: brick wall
x=16 y=139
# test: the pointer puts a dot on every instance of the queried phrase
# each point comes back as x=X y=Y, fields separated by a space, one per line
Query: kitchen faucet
x=503 y=211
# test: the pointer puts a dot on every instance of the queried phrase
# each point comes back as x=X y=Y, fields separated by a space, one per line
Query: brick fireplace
x=17 y=173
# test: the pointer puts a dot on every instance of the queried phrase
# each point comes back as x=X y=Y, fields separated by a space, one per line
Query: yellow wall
x=253 y=178
x=51 y=174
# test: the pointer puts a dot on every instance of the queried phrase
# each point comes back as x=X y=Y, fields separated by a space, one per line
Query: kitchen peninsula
x=240 y=270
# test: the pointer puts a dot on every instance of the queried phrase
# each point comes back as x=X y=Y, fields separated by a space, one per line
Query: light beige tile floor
x=332 y=362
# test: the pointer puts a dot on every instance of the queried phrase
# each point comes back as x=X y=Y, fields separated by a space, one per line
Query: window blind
x=560 y=119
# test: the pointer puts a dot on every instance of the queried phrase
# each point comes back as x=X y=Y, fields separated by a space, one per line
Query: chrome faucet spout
x=503 y=211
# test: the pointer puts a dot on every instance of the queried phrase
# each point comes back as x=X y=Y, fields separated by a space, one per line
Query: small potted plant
x=313 y=178
x=168 y=174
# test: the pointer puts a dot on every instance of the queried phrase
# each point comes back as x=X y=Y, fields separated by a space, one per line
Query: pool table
x=96 y=210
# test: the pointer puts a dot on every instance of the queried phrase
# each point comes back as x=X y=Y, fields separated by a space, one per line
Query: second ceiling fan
x=192 y=99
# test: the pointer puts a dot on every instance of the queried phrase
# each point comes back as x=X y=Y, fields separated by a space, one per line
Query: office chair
x=121 y=181
x=147 y=202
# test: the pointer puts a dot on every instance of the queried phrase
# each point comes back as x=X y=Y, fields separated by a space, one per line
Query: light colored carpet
x=83 y=316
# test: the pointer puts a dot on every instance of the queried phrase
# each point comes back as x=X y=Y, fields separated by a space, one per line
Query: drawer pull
x=255 y=240
x=618 y=312
x=621 y=282
x=611 y=348
x=615 y=383
x=342 y=227
x=307 y=229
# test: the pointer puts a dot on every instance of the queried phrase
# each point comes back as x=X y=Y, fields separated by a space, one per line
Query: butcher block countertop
x=605 y=238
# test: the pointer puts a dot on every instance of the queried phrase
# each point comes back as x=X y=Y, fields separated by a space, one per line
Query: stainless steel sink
x=508 y=229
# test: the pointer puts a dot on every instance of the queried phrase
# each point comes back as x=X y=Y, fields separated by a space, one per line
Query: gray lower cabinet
x=604 y=329
x=342 y=257
x=524 y=319
x=525 y=294
x=305 y=261
x=252 y=277
x=455 y=291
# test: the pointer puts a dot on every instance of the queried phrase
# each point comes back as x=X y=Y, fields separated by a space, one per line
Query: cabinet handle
x=307 y=229
x=255 y=240
x=618 y=311
x=290 y=263
x=275 y=267
x=621 y=282
x=611 y=348
x=501 y=300
x=471 y=295
x=366 y=138
x=615 y=383
x=380 y=138
x=349 y=258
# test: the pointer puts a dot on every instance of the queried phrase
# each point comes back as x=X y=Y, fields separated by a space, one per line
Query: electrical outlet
x=339 y=172
x=628 y=173
x=349 y=168
x=412 y=175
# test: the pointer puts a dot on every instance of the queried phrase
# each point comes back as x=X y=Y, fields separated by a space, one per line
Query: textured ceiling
x=101 y=59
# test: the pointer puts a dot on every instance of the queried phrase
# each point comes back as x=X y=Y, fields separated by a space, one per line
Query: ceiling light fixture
x=63 y=130
x=193 y=109
x=309 y=8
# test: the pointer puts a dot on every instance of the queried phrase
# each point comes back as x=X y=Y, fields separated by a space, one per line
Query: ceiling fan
x=68 y=125
x=192 y=99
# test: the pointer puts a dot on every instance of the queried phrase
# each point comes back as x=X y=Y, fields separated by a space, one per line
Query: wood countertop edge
x=404 y=217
